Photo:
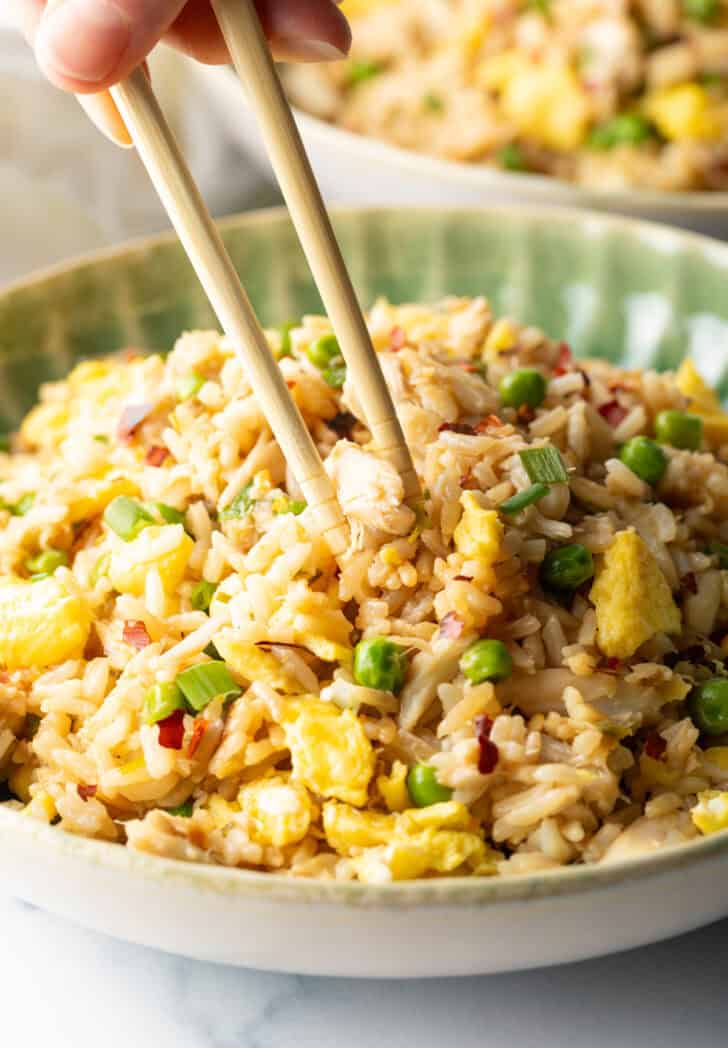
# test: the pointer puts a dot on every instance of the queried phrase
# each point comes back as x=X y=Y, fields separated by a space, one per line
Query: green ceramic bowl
x=633 y=292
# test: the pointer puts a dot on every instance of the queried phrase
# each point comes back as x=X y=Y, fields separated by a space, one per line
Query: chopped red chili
x=291 y=383
x=489 y=754
x=690 y=582
x=156 y=455
x=611 y=665
x=85 y=792
x=613 y=413
x=172 y=730
x=457 y=427
x=451 y=626
x=565 y=359
x=131 y=419
x=136 y=634
x=397 y=339
x=655 y=746
x=198 y=730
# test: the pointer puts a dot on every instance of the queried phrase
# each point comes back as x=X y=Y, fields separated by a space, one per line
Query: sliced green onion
x=433 y=103
x=161 y=702
x=207 y=681
x=285 y=505
x=188 y=386
x=101 y=438
x=523 y=499
x=127 y=517
x=240 y=506
x=361 y=71
x=284 y=330
x=544 y=465
x=169 y=514
x=183 y=811
x=24 y=505
x=47 y=562
x=100 y=568
x=335 y=376
x=511 y=158
x=202 y=594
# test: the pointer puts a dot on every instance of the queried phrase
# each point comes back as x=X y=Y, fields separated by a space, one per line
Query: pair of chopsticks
x=183 y=202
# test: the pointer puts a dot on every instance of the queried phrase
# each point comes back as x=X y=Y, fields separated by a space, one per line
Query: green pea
x=701 y=10
x=511 y=158
x=525 y=387
x=161 y=701
x=709 y=706
x=627 y=129
x=645 y=458
x=47 y=562
x=380 y=663
x=188 y=386
x=486 y=660
x=361 y=71
x=183 y=811
x=424 y=789
x=202 y=594
x=680 y=429
x=567 y=568
x=323 y=351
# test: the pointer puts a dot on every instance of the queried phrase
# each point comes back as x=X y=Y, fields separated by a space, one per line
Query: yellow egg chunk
x=546 y=102
x=710 y=814
x=479 y=533
x=166 y=548
x=92 y=496
x=45 y=425
x=393 y=787
x=685 y=113
x=409 y=857
x=330 y=752
x=632 y=598
x=703 y=401
x=254 y=663
x=279 y=811
x=347 y=829
x=41 y=623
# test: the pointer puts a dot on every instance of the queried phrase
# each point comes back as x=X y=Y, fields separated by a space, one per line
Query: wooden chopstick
x=246 y=42
x=181 y=198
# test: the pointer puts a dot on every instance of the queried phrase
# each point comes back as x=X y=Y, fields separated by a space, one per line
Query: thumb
x=87 y=45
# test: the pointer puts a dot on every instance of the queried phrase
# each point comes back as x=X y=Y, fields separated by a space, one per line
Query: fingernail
x=101 y=110
x=83 y=39
x=307 y=50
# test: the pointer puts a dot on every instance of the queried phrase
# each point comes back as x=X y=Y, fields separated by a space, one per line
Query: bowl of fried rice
x=620 y=105
x=498 y=720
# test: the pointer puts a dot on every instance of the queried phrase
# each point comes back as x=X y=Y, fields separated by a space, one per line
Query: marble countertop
x=73 y=989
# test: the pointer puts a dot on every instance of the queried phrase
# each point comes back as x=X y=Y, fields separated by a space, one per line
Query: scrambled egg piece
x=501 y=338
x=710 y=814
x=167 y=548
x=393 y=787
x=544 y=100
x=254 y=663
x=330 y=752
x=94 y=495
x=478 y=536
x=279 y=811
x=45 y=425
x=703 y=401
x=632 y=598
x=717 y=755
x=41 y=623
x=438 y=839
x=685 y=113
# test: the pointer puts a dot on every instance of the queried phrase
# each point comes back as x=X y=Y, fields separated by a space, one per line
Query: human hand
x=85 y=46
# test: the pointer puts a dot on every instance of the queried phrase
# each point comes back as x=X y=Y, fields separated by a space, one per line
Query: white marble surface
x=73 y=989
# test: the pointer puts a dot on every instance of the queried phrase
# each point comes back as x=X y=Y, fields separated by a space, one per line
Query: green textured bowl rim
x=446 y=891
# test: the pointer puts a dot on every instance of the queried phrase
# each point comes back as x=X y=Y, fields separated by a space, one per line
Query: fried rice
x=605 y=93
x=189 y=672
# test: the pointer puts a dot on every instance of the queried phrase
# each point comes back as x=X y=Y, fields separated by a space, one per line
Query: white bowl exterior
x=203 y=913
x=355 y=170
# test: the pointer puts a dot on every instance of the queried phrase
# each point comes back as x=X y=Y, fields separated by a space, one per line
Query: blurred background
x=66 y=189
